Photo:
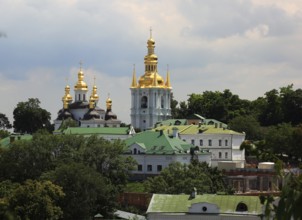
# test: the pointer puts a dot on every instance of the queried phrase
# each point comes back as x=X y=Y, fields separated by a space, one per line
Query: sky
x=247 y=46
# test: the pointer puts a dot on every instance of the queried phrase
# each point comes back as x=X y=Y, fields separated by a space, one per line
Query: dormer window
x=241 y=207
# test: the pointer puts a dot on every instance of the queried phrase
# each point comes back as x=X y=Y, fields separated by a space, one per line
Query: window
x=134 y=151
x=139 y=167
x=220 y=155
x=220 y=142
x=226 y=142
x=162 y=102
x=144 y=102
x=241 y=207
x=149 y=168
x=210 y=142
x=200 y=142
x=226 y=155
x=193 y=141
x=84 y=97
x=159 y=168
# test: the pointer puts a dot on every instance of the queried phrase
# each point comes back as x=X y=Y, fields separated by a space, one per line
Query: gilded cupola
x=151 y=74
x=109 y=103
x=81 y=85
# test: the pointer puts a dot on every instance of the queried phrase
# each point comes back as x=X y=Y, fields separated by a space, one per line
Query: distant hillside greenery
x=272 y=123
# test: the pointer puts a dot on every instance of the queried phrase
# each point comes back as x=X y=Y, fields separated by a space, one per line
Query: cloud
x=246 y=46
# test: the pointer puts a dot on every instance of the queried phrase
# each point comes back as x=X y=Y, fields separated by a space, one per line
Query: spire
x=94 y=94
x=134 y=81
x=155 y=84
x=168 y=84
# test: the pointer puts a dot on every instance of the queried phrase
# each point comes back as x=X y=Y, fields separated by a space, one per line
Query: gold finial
x=81 y=85
x=168 y=84
x=134 y=82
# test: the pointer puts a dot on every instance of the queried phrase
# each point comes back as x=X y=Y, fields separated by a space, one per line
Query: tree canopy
x=30 y=117
x=91 y=171
x=181 y=178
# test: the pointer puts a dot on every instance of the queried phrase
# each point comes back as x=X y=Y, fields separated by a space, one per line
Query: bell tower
x=150 y=95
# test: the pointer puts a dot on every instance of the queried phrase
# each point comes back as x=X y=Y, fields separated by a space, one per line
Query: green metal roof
x=182 y=203
x=157 y=143
x=196 y=129
x=100 y=130
x=5 y=142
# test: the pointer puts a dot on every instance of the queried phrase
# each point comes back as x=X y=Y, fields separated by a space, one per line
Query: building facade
x=151 y=94
x=222 y=143
x=154 y=151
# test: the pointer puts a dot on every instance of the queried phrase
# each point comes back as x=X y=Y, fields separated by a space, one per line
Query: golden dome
x=108 y=103
x=81 y=85
x=94 y=94
x=67 y=95
x=147 y=80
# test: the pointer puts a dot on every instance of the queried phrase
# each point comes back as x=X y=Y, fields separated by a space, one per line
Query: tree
x=4 y=122
x=247 y=124
x=29 y=117
x=181 y=178
x=36 y=200
x=87 y=192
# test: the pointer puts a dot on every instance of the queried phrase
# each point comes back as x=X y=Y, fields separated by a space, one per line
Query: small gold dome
x=81 y=85
x=108 y=103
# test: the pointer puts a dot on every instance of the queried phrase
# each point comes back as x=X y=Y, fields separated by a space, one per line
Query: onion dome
x=81 y=85
x=147 y=80
x=67 y=97
x=109 y=114
x=91 y=114
x=64 y=114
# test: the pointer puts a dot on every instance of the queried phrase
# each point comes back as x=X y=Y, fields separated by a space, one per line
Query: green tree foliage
x=180 y=178
x=247 y=124
x=69 y=161
x=31 y=200
x=87 y=192
x=29 y=117
x=222 y=106
x=4 y=122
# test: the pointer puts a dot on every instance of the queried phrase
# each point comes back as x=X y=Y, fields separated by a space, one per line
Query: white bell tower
x=151 y=95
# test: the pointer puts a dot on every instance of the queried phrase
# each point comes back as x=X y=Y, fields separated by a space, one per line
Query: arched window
x=134 y=151
x=241 y=207
x=144 y=102
x=79 y=97
x=162 y=102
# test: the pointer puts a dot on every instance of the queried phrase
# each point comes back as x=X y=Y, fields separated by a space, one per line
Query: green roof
x=99 y=131
x=182 y=203
x=159 y=143
x=195 y=129
x=5 y=142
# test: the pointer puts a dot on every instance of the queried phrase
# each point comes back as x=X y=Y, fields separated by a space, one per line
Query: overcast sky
x=247 y=46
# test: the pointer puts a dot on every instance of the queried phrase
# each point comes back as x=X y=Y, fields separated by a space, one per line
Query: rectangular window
x=210 y=142
x=201 y=142
x=149 y=168
x=219 y=155
x=159 y=168
x=226 y=155
x=193 y=141
x=226 y=142
x=139 y=167
x=220 y=142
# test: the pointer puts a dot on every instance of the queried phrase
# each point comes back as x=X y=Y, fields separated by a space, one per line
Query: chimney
x=194 y=193
x=175 y=132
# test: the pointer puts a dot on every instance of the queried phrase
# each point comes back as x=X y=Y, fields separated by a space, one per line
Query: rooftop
x=181 y=203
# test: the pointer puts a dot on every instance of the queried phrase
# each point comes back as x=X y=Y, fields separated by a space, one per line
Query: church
x=151 y=94
x=85 y=112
